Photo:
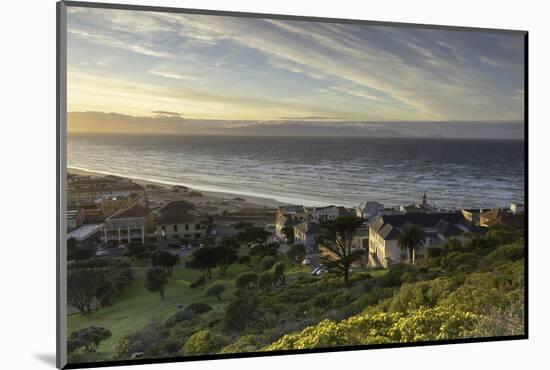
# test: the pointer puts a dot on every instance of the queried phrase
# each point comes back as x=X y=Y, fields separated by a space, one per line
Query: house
x=297 y=212
x=517 y=208
x=423 y=207
x=178 y=221
x=112 y=204
x=132 y=224
x=86 y=234
x=501 y=216
x=385 y=230
x=86 y=190
x=361 y=238
x=75 y=218
x=369 y=210
x=321 y=214
x=306 y=233
x=283 y=222
x=472 y=214
x=92 y=213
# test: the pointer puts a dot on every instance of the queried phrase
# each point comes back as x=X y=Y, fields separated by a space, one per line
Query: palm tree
x=410 y=240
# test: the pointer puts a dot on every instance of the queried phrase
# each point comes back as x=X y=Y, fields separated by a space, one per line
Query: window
x=175 y=228
x=186 y=227
x=197 y=226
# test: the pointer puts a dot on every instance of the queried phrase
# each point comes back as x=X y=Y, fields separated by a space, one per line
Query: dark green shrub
x=199 y=307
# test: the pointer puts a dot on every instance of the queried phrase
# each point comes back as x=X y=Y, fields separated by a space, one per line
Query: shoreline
x=250 y=200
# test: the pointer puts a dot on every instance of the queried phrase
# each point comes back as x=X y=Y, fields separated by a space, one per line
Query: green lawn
x=137 y=306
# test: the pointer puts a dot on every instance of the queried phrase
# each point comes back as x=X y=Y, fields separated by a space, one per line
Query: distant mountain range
x=161 y=122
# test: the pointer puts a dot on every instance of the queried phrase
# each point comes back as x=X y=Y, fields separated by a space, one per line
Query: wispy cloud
x=263 y=69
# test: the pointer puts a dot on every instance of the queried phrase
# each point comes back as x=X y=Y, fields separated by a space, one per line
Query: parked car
x=306 y=262
x=121 y=246
x=186 y=247
x=321 y=271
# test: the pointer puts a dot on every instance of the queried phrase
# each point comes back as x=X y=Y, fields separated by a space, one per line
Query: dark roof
x=448 y=229
x=176 y=217
x=344 y=211
x=177 y=206
x=389 y=226
x=135 y=211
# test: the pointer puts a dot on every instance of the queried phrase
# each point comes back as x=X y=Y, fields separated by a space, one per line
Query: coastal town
x=106 y=213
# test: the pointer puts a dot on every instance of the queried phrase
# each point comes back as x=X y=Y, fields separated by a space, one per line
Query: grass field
x=137 y=306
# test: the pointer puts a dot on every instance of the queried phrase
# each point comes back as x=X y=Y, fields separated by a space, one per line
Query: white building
x=369 y=210
x=385 y=230
x=517 y=208
x=128 y=225
x=322 y=214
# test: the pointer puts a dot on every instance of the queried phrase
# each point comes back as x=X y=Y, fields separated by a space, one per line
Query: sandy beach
x=160 y=192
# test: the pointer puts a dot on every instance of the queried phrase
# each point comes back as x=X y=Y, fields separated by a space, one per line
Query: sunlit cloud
x=246 y=68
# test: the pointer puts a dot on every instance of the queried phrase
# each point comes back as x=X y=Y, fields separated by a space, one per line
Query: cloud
x=165 y=113
x=172 y=123
x=311 y=118
x=273 y=68
x=171 y=74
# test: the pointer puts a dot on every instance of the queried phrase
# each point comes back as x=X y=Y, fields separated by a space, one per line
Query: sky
x=136 y=71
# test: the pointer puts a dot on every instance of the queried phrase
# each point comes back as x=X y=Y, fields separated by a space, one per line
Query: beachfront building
x=179 y=220
x=75 y=218
x=437 y=227
x=128 y=225
x=89 y=234
x=87 y=190
x=472 y=214
x=422 y=207
x=322 y=214
x=298 y=213
x=369 y=210
x=282 y=224
x=497 y=216
x=516 y=208
x=111 y=204
x=306 y=233
x=361 y=238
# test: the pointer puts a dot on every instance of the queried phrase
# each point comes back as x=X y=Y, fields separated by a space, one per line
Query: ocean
x=454 y=173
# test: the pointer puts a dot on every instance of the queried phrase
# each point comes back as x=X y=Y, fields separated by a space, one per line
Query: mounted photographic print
x=236 y=184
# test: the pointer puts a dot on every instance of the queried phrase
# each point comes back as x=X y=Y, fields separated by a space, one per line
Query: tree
x=88 y=338
x=268 y=262
x=82 y=287
x=230 y=241
x=165 y=259
x=203 y=342
x=288 y=232
x=337 y=238
x=156 y=280
x=202 y=259
x=243 y=311
x=266 y=280
x=410 y=240
x=215 y=290
x=71 y=248
x=263 y=250
x=225 y=256
x=246 y=280
x=199 y=282
x=252 y=234
x=296 y=253
x=279 y=272
x=138 y=251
